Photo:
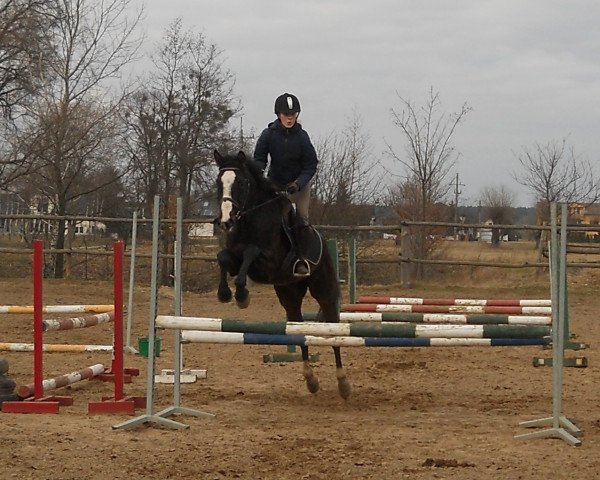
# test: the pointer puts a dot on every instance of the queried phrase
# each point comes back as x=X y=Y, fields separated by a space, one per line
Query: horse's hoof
x=343 y=384
x=244 y=304
x=224 y=296
x=242 y=298
x=344 y=388
x=312 y=383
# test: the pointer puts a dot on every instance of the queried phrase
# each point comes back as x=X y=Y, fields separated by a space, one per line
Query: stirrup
x=298 y=264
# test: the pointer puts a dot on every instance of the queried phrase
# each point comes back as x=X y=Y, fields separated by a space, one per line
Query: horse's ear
x=241 y=156
x=218 y=157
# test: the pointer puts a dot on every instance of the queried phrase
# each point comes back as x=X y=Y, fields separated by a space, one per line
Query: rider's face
x=288 y=119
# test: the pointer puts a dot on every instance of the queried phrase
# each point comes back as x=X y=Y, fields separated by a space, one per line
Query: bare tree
x=25 y=48
x=180 y=115
x=429 y=153
x=428 y=158
x=25 y=52
x=347 y=181
x=498 y=203
x=175 y=121
x=73 y=118
x=554 y=173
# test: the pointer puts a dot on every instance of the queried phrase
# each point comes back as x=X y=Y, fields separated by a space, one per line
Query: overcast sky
x=530 y=69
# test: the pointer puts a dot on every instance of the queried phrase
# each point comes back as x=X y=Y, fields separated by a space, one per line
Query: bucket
x=143 y=346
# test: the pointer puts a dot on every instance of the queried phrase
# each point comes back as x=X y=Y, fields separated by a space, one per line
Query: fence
x=406 y=260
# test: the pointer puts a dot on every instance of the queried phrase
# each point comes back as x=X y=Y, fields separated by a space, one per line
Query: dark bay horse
x=253 y=214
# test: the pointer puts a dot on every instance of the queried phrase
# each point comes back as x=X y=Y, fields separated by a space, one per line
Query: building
x=582 y=214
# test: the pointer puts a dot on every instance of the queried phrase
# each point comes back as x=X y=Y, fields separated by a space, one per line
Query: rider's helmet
x=287 y=103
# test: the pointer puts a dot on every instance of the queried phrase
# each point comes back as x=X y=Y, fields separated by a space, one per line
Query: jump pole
x=77 y=322
x=149 y=417
x=26 y=391
x=560 y=426
x=439 y=318
x=495 y=302
x=118 y=403
x=177 y=408
x=39 y=403
x=480 y=309
x=381 y=330
x=200 y=336
x=29 y=309
x=128 y=347
x=54 y=348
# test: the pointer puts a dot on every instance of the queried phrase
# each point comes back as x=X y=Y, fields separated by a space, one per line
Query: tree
x=179 y=115
x=429 y=153
x=428 y=158
x=176 y=119
x=25 y=51
x=497 y=203
x=346 y=180
x=554 y=173
x=73 y=118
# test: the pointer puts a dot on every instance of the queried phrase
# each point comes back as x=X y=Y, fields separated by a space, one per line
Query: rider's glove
x=292 y=188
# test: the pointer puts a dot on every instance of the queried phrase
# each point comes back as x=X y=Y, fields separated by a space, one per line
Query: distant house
x=202 y=229
x=582 y=214
x=87 y=227
x=485 y=234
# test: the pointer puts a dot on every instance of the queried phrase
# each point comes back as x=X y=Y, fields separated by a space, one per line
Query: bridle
x=241 y=209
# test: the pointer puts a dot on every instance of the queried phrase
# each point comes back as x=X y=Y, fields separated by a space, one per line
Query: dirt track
x=419 y=413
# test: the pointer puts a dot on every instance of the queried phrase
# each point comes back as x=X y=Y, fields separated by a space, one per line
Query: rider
x=293 y=164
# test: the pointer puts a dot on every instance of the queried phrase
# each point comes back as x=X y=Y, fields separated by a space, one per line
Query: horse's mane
x=264 y=183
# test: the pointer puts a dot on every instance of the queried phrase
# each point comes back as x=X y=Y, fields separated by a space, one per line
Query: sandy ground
x=419 y=413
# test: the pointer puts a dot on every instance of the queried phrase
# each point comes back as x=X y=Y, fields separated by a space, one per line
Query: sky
x=529 y=69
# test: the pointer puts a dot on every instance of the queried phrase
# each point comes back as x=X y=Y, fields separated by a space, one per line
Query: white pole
x=128 y=346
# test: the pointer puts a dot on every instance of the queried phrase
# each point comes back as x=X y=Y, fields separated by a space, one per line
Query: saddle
x=305 y=241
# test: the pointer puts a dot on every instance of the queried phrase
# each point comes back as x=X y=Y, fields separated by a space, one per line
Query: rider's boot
x=300 y=233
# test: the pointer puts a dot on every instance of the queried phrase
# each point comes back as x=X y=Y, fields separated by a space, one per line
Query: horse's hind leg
x=327 y=295
x=312 y=382
x=290 y=297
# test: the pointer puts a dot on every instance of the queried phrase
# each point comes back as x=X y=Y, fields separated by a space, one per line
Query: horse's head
x=233 y=187
x=242 y=188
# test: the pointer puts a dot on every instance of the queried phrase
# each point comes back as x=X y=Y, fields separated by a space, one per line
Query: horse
x=255 y=216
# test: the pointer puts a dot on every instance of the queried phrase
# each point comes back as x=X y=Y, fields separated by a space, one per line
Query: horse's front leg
x=242 y=296
x=227 y=265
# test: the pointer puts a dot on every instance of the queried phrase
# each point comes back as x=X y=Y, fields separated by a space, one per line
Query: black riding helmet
x=287 y=103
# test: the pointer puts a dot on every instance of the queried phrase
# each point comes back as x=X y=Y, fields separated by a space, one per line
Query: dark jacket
x=293 y=156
